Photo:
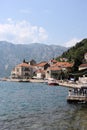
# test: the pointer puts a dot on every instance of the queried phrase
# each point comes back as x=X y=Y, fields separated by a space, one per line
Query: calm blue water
x=37 y=106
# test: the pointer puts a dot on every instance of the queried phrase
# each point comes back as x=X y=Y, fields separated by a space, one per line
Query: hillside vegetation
x=76 y=53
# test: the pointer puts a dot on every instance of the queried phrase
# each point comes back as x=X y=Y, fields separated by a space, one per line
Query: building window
x=26 y=74
x=25 y=69
x=17 y=69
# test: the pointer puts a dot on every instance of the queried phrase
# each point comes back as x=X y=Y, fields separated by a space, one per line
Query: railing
x=78 y=94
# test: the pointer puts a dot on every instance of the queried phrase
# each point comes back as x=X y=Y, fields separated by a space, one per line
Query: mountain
x=76 y=53
x=13 y=54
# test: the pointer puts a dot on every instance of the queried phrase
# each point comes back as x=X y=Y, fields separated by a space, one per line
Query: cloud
x=25 y=11
x=22 y=32
x=72 y=42
x=10 y=20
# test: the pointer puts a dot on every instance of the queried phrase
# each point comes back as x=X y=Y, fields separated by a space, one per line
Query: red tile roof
x=41 y=64
x=54 y=61
x=40 y=71
x=63 y=64
x=83 y=65
x=55 y=68
x=23 y=65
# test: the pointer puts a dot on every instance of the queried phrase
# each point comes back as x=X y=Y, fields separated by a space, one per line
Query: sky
x=56 y=22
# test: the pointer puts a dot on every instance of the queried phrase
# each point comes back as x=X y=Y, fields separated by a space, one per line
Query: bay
x=37 y=106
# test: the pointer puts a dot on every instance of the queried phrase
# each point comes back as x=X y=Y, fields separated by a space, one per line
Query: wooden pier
x=77 y=95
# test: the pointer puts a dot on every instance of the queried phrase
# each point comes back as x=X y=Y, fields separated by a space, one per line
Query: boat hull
x=53 y=84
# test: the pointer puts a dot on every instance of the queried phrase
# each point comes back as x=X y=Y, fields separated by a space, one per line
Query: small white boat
x=52 y=81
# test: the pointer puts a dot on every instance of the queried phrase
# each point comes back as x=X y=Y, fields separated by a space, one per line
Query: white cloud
x=72 y=42
x=10 y=20
x=25 y=11
x=22 y=32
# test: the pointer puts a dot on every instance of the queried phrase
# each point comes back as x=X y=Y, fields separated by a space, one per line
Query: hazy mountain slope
x=12 y=54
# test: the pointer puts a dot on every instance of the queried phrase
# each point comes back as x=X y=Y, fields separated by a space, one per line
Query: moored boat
x=52 y=81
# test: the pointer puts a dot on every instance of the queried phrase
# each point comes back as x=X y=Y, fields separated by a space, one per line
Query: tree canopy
x=76 y=53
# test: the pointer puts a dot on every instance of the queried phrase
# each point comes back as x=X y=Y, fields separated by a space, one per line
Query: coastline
x=63 y=83
x=69 y=85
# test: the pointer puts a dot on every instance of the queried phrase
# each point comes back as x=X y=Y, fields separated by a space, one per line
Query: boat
x=52 y=81
x=24 y=80
x=78 y=95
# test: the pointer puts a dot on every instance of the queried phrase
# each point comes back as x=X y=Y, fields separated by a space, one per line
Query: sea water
x=37 y=106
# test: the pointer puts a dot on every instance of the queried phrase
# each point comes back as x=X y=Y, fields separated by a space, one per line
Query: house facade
x=41 y=70
x=42 y=65
x=22 y=71
x=52 y=72
x=40 y=74
x=58 y=70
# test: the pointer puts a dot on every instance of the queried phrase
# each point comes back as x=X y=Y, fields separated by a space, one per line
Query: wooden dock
x=77 y=95
x=76 y=98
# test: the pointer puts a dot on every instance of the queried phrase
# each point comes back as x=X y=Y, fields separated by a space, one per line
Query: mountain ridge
x=12 y=54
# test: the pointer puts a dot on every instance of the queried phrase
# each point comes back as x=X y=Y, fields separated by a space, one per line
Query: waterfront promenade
x=69 y=85
x=61 y=83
